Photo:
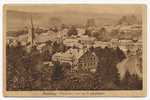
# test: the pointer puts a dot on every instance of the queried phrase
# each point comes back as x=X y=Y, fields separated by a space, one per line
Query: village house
x=11 y=41
x=70 y=42
x=63 y=33
x=109 y=28
x=131 y=28
x=44 y=37
x=44 y=47
x=125 y=41
x=102 y=44
x=81 y=60
x=63 y=58
x=114 y=43
x=40 y=47
x=22 y=39
x=88 y=62
x=86 y=40
x=125 y=44
x=81 y=31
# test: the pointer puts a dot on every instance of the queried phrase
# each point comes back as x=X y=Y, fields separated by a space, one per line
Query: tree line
x=26 y=71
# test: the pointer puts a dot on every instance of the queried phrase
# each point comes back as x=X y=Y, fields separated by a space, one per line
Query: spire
x=32 y=32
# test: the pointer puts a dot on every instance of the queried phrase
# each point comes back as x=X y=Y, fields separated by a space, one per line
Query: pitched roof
x=76 y=52
x=44 y=37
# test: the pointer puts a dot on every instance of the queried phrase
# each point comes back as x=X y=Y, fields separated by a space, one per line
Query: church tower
x=31 y=34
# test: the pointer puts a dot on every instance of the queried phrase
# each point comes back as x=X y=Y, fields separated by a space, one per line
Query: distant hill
x=17 y=19
x=126 y=23
x=130 y=19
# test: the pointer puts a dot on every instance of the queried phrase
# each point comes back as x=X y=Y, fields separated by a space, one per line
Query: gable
x=88 y=54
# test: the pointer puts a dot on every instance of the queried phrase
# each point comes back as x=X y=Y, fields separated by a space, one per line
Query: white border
x=77 y=2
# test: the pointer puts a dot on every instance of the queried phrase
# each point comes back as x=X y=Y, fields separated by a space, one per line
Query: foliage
x=26 y=71
x=106 y=70
x=57 y=73
x=72 y=31
x=131 y=82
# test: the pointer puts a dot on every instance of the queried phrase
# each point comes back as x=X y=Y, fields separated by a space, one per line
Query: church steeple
x=31 y=33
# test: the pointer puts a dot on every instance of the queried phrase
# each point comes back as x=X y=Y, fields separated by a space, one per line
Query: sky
x=18 y=15
x=126 y=9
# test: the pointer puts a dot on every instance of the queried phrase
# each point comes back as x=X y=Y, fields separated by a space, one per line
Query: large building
x=70 y=42
x=88 y=62
x=86 y=40
x=102 y=44
x=81 y=60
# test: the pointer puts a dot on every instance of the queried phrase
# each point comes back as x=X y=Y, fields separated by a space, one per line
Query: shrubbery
x=25 y=71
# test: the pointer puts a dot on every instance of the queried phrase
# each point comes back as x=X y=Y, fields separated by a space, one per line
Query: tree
x=57 y=73
x=72 y=31
x=115 y=33
x=101 y=34
x=131 y=82
x=88 y=32
x=17 y=71
x=90 y=23
x=106 y=69
x=58 y=47
x=23 y=69
x=120 y=54
x=66 y=69
x=80 y=82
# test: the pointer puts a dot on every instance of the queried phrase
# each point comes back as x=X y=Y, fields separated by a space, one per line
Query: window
x=82 y=65
x=85 y=65
x=93 y=58
x=93 y=63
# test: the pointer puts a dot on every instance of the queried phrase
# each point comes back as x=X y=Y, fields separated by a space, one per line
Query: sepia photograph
x=74 y=50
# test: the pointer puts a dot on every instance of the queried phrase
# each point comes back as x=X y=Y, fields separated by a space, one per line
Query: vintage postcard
x=74 y=50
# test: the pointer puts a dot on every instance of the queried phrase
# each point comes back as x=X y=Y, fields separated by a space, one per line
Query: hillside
x=17 y=19
x=130 y=19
